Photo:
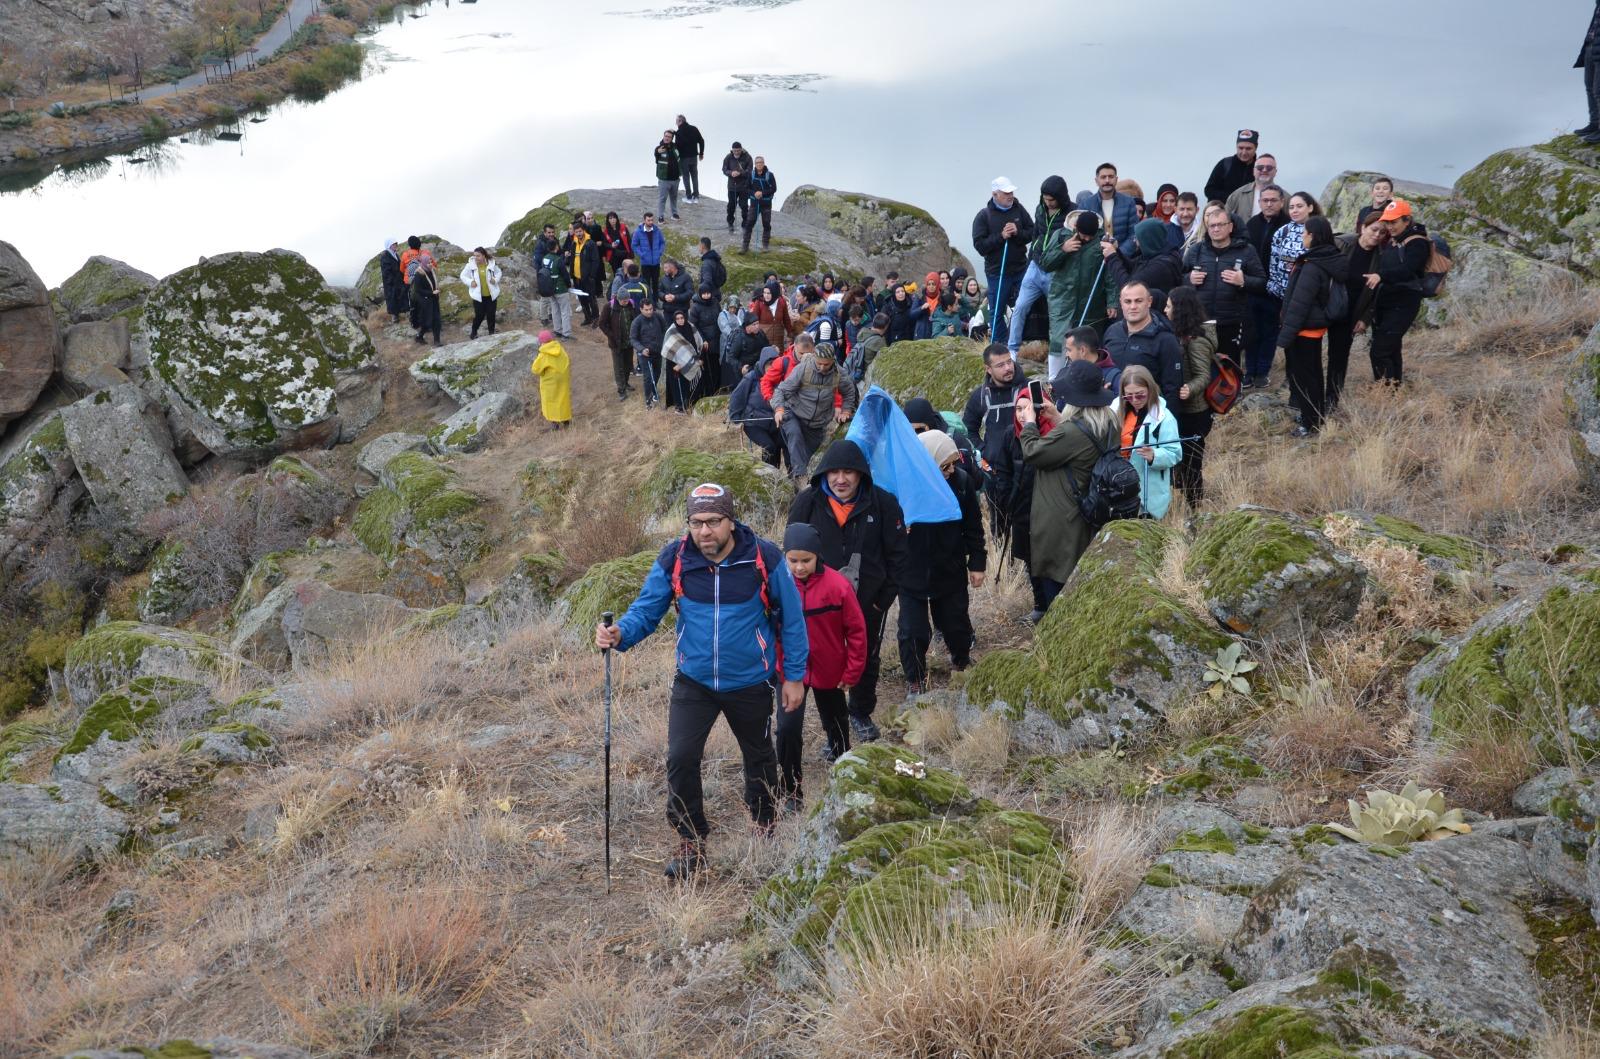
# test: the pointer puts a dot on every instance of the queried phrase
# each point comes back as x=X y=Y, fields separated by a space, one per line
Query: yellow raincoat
x=555 y=382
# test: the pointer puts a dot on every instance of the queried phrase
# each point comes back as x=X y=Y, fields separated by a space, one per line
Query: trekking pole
x=605 y=619
x=1083 y=315
x=999 y=286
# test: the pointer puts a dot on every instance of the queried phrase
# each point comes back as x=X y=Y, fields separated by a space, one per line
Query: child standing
x=837 y=633
x=555 y=381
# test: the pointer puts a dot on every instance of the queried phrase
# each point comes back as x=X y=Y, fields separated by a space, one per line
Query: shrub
x=326 y=69
x=155 y=127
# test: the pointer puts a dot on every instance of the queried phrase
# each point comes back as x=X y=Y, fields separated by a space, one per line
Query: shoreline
x=49 y=142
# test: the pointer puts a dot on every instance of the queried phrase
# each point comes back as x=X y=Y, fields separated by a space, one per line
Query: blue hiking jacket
x=648 y=246
x=726 y=640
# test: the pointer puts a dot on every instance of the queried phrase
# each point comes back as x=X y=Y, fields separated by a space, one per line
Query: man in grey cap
x=803 y=406
x=741 y=627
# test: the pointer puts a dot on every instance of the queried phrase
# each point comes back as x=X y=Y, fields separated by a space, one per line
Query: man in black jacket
x=944 y=559
x=713 y=273
x=646 y=335
x=674 y=291
x=1141 y=337
x=736 y=167
x=763 y=193
x=1236 y=170
x=1589 y=63
x=989 y=413
x=864 y=538
x=1000 y=233
x=1265 y=308
x=691 y=152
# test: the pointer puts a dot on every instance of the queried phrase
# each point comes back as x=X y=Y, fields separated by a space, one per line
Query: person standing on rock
x=741 y=627
x=1048 y=218
x=1116 y=210
x=763 y=193
x=554 y=371
x=668 y=169
x=482 y=277
x=1000 y=233
x=863 y=532
x=394 y=280
x=803 y=405
x=944 y=560
x=425 y=297
x=1589 y=63
x=736 y=167
x=691 y=152
x=1236 y=170
x=407 y=258
x=649 y=245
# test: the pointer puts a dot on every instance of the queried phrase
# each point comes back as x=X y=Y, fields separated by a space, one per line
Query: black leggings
x=691 y=711
x=833 y=713
x=1303 y=364
x=1190 y=471
x=482 y=310
x=1389 y=326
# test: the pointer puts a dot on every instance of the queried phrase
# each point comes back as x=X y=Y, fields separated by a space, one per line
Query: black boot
x=745 y=249
x=691 y=858
x=766 y=238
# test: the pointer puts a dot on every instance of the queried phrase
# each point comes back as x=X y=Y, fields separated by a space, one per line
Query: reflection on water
x=469 y=117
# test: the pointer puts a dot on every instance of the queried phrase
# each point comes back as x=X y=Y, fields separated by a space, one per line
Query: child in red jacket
x=837 y=634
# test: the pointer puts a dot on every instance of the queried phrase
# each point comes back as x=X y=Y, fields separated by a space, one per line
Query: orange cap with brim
x=1395 y=210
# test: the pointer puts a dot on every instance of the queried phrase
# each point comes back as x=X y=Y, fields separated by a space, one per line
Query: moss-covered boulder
x=59 y=818
x=895 y=845
x=257 y=354
x=1432 y=204
x=419 y=506
x=167 y=596
x=116 y=724
x=894 y=235
x=944 y=370
x=104 y=287
x=37 y=477
x=1114 y=651
x=608 y=586
x=122 y=449
x=1530 y=667
x=475 y=424
x=761 y=493
x=115 y=654
x=376 y=454
x=29 y=337
x=1266 y=573
x=1565 y=850
x=1543 y=201
x=1443 y=552
x=1583 y=409
x=468 y=370
x=522 y=233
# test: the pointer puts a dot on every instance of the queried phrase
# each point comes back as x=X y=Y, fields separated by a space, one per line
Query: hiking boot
x=691 y=858
x=745 y=248
x=765 y=239
x=1590 y=137
x=1035 y=616
x=792 y=804
x=865 y=731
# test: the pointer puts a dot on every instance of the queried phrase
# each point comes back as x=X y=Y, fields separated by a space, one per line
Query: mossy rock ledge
x=944 y=370
x=113 y=727
x=468 y=370
x=1543 y=201
x=1112 y=654
x=761 y=493
x=117 y=653
x=1531 y=665
x=257 y=354
x=1267 y=573
x=893 y=845
x=420 y=506
x=104 y=287
x=895 y=235
x=608 y=586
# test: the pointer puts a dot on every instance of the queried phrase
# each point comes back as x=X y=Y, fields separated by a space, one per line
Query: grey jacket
x=807 y=394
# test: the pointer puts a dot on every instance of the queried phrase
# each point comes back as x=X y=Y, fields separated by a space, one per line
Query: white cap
x=1001 y=183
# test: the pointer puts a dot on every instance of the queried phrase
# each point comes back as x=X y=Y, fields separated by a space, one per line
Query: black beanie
x=801 y=537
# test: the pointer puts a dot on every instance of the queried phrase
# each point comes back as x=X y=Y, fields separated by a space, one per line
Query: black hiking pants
x=864 y=696
x=949 y=614
x=482 y=310
x=691 y=711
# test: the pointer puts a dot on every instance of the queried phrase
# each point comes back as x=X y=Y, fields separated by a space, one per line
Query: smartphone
x=1036 y=392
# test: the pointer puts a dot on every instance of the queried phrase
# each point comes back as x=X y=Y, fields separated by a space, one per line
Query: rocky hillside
x=301 y=735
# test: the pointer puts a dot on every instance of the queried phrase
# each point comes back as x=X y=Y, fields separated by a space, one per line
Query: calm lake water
x=471 y=114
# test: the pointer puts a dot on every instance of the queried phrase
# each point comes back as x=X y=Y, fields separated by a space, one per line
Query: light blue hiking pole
x=999 y=285
x=1084 y=315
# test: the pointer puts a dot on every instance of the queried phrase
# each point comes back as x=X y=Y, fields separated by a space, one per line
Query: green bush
x=325 y=70
x=155 y=128
x=16 y=119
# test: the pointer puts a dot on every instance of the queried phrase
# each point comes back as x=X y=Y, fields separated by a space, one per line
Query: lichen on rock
x=116 y=653
x=101 y=289
x=252 y=349
x=760 y=492
x=420 y=506
x=468 y=370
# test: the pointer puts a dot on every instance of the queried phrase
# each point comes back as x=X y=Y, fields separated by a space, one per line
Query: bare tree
x=129 y=44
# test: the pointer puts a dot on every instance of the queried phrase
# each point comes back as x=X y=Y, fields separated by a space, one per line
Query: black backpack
x=1113 y=491
x=719 y=274
x=546 y=276
x=1336 y=308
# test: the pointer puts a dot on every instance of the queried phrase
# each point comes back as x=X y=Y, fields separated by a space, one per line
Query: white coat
x=469 y=276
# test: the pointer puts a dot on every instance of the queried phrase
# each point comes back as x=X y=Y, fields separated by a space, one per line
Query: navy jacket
x=1156 y=349
x=1123 y=217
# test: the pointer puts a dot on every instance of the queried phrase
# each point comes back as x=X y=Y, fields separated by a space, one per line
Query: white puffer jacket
x=469 y=276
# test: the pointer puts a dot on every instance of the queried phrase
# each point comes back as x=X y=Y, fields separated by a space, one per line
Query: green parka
x=1198 y=353
x=1073 y=285
x=1058 y=534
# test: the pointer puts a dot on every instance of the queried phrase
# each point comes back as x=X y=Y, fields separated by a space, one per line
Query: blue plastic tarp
x=899 y=462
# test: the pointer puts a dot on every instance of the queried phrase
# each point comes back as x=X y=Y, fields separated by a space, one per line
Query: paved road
x=268 y=44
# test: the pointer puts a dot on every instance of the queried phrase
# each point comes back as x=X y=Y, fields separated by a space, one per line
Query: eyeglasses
x=707 y=523
x=1266 y=169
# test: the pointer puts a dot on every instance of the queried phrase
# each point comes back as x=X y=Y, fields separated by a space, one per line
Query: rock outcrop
x=122 y=450
x=1583 y=403
x=103 y=288
x=419 y=507
x=35 y=479
x=468 y=370
x=474 y=424
x=894 y=235
x=96 y=354
x=944 y=370
x=56 y=817
x=30 y=343
x=115 y=654
x=257 y=355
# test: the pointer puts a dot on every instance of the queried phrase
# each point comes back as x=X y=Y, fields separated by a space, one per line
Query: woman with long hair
x=1149 y=438
x=1360 y=255
x=1288 y=245
x=1198 y=336
x=1062 y=448
x=617 y=242
x=1305 y=321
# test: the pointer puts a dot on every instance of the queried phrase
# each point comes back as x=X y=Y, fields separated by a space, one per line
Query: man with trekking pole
x=1000 y=233
x=741 y=628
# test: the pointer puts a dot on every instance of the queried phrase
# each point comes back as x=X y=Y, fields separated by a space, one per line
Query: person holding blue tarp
x=863 y=536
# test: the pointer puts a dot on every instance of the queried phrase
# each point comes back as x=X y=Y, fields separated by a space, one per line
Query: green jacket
x=1073 y=285
x=1057 y=534
x=1197 y=356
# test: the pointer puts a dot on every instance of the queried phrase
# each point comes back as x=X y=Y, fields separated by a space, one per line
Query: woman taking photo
x=1198 y=336
x=1062 y=449
x=1305 y=321
x=1360 y=253
x=1149 y=438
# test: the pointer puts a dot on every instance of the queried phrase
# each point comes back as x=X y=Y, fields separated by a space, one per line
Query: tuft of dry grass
x=984 y=748
x=1568 y=1040
x=1535 y=322
x=1113 y=846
